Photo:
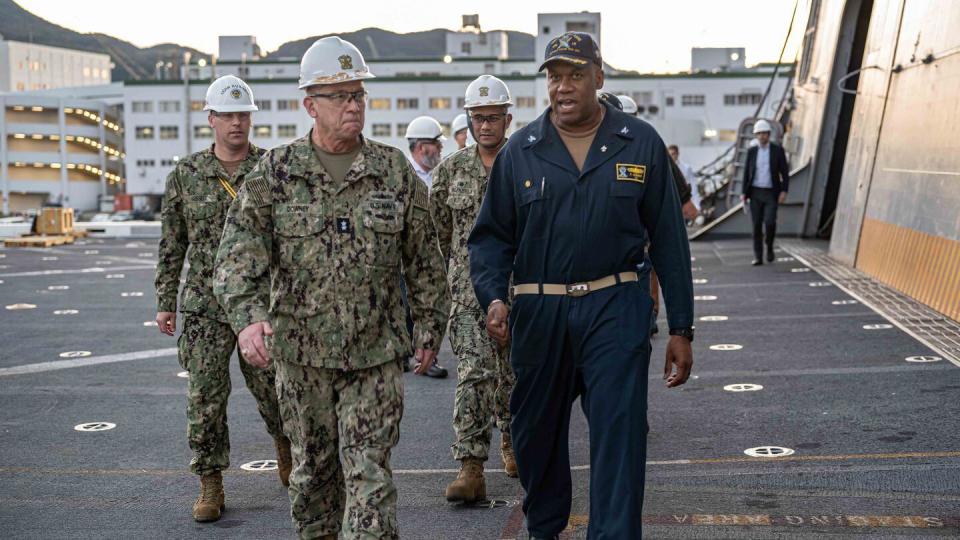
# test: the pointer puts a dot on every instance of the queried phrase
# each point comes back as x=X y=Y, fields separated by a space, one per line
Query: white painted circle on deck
x=4 y=266
x=799 y=270
x=184 y=374
x=726 y=347
x=714 y=318
x=94 y=426
x=784 y=259
x=103 y=263
x=75 y=354
x=923 y=359
x=133 y=244
x=743 y=387
x=66 y=312
x=844 y=302
x=131 y=294
x=695 y=268
x=877 y=326
x=693 y=259
x=150 y=323
x=1 y=282
x=48 y=258
x=91 y=252
x=92 y=270
x=260 y=465
x=768 y=451
x=820 y=284
x=705 y=298
x=699 y=281
x=115 y=276
x=145 y=255
x=15 y=307
x=58 y=287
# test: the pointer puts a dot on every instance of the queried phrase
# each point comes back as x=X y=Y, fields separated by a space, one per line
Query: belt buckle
x=577 y=290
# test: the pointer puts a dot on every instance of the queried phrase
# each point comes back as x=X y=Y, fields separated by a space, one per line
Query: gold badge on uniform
x=629 y=172
x=484 y=91
x=346 y=62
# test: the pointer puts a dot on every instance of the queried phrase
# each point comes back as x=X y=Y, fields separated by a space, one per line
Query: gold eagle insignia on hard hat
x=346 y=62
x=235 y=93
x=484 y=91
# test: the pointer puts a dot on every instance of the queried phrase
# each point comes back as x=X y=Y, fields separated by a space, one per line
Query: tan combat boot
x=209 y=505
x=469 y=486
x=284 y=461
x=506 y=452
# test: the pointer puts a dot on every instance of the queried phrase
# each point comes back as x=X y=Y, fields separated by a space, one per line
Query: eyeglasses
x=342 y=98
x=492 y=119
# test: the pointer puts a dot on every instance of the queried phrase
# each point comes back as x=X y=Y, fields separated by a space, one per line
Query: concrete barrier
x=107 y=229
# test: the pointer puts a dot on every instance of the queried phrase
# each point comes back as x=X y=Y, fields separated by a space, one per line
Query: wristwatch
x=685 y=332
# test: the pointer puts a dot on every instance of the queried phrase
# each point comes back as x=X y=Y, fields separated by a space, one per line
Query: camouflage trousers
x=484 y=383
x=205 y=349
x=342 y=427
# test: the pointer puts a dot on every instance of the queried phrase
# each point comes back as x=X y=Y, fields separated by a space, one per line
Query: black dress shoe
x=757 y=262
x=437 y=371
x=770 y=256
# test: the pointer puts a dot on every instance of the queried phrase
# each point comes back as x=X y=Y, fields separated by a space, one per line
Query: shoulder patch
x=420 y=194
x=258 y=189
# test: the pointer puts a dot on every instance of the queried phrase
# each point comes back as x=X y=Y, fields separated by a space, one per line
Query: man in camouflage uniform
x=308 y=271
x=198 y=193
x=484 y=376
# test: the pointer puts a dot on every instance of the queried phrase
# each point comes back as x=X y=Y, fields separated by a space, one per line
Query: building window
x=143 y=132
x=168 y=106
x=461 y=101
x=401 y=130
x=527 y=102
x=408 y=103
x=692 y=100
x=167 y=163
x=380 y=104
x=263 y=104
x=169 y=132
x=381 y=130
x=142 y=106
x=202 y=132
x=581 y=26
x=288 y=105
x=287 y=131
x=146 y=163
x=440 y=103
x=729 y=99
x=669 y=101
x=465 y=47
x=489 y=68
x=752 y=98
x=263 y=132
x=445 y=128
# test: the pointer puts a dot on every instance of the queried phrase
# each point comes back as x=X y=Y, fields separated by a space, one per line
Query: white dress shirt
x=761 y=177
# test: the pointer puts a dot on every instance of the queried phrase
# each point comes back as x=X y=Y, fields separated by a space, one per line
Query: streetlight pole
x=186 y=99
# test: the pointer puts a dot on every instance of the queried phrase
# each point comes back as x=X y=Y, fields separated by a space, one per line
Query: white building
x=716 y=59
x=163 y=120
x=470 y=41
x=26 y=67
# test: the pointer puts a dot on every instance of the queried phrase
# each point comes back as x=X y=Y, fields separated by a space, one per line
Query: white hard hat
x=424 y=127
x=332 y=60
x=761 y=126
x=460 y=122
x=629 y=105
x=487 y=90
x=229 y=94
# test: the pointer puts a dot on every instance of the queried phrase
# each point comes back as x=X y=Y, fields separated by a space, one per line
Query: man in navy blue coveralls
x=571 y=235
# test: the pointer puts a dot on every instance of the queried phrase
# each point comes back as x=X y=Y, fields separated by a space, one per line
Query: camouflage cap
x=576 y=48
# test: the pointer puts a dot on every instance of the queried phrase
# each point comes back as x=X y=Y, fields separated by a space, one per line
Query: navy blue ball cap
x=576 y=48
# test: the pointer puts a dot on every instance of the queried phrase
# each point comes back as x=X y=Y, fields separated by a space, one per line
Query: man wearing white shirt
x=765 y=182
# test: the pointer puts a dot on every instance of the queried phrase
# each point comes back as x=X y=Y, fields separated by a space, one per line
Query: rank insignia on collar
x=531 y=138
x=343 y=225
x=629 y=172
x=603 y=148
x=624 y=130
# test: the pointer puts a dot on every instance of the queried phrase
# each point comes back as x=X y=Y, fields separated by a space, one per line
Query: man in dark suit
x=766 y=178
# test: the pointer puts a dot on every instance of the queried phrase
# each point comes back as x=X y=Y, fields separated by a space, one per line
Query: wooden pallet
x=38 y=241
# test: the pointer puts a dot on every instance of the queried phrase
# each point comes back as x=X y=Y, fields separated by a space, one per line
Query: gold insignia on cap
x=346 y=62
x=527 y=183
x=235 y=93
x=484 y=91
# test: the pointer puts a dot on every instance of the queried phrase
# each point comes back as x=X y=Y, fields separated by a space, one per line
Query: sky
x=643 y=35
